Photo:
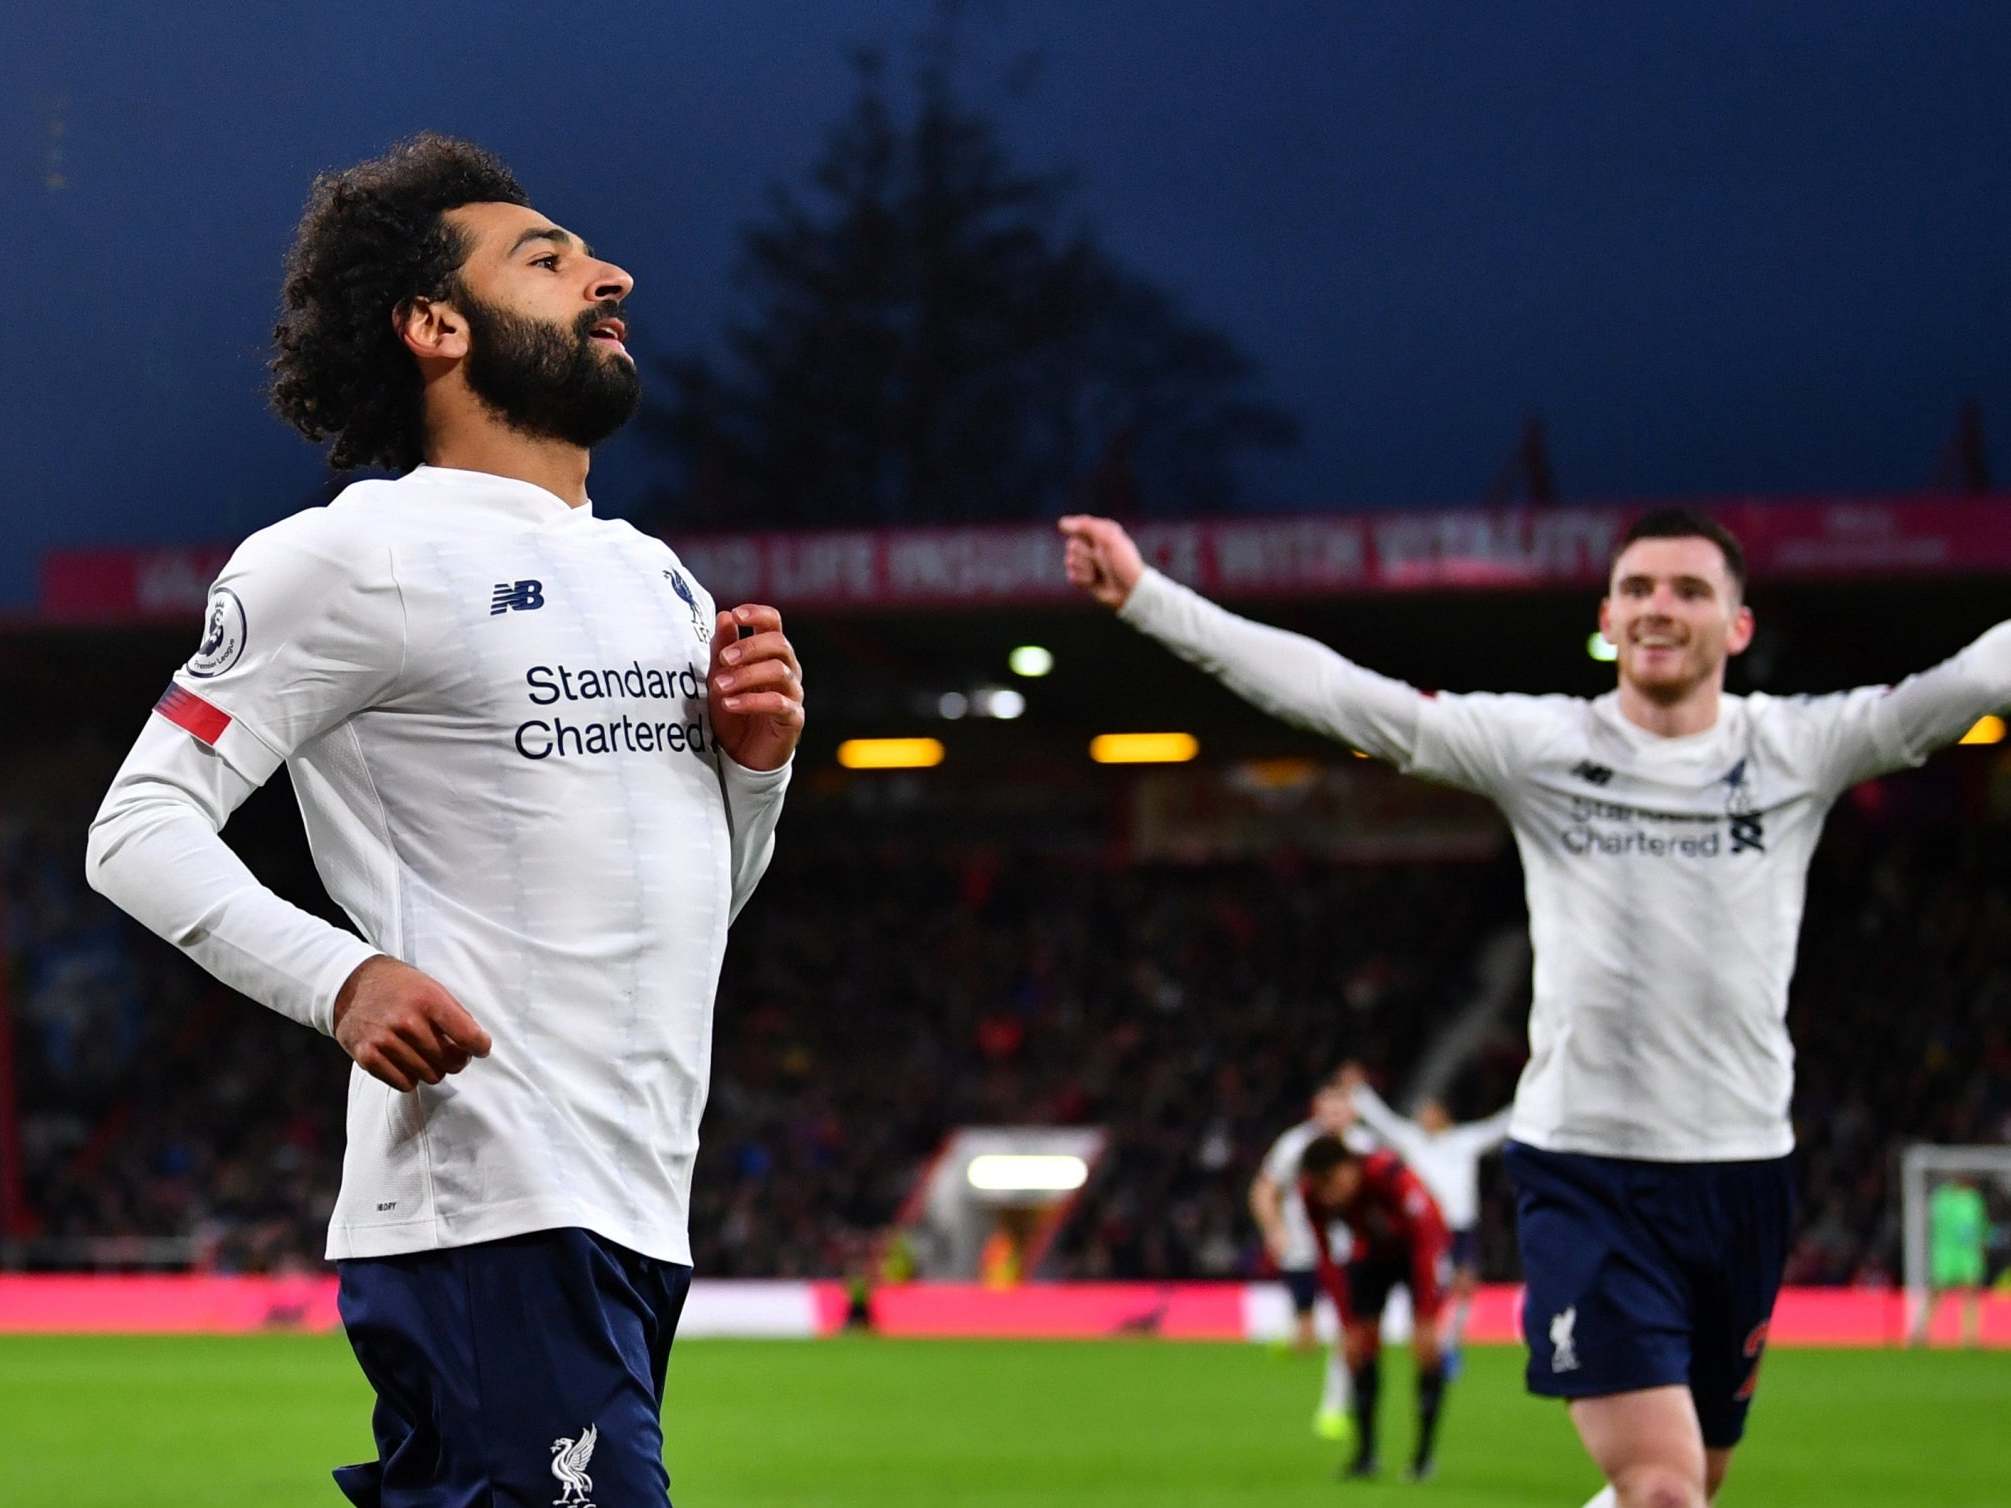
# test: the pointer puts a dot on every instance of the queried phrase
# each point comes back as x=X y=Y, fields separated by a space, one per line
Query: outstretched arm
x=1938 y=706
x=1377 y=1115
x=1287 y=675
x=1485 y=1135
x=1874 y=731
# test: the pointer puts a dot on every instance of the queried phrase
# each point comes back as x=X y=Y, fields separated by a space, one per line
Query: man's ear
x=1741 y=636
x=432 y=329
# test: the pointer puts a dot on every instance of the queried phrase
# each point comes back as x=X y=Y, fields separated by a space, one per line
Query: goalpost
x=1922 y=1166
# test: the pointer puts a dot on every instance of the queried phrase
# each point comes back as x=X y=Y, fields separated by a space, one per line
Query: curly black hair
x=371 y=238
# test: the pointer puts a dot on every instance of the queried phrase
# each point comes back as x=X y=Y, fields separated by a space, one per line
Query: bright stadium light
x=1027 y=1172
x=1601 y=648
x=1031 y=661
x=890 y=753
x=1000 y=701
x=952 y=705
x=1143 y=748
x=1989 y=729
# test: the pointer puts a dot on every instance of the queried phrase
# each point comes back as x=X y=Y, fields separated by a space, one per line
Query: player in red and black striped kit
x=1399 y=1236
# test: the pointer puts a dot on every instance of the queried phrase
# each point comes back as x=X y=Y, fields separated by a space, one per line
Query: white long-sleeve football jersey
x=1665 y=876
x=1448 y=1161
x=492 y=706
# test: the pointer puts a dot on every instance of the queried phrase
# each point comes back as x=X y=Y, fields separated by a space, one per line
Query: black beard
x=546 y=381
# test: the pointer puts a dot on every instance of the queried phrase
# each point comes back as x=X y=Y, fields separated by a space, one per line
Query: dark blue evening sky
x=1720 y=247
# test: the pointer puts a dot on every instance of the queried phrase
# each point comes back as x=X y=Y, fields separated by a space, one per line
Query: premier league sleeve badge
x=223 y=635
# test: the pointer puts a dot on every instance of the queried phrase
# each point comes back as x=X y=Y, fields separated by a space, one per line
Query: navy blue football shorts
x=1303 y=1284
x=523 y=1371
x=1647 y=1274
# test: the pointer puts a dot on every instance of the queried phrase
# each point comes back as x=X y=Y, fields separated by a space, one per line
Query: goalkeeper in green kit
x=1958 y=1228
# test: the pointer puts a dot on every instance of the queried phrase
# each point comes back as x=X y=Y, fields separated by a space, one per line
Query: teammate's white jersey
x=1448 y=1161
x=1665 y=876
x=1281 y=1166
x=493 y=709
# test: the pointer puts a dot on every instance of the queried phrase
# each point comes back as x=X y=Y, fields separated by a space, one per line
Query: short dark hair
x=371 y=239
x=1686 y=523
x=1323 y=1154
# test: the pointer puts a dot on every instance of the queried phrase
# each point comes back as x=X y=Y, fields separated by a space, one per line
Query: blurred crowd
x=876 y=997
x=1901 y=1014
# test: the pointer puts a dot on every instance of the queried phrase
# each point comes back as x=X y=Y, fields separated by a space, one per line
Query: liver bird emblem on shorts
x=569 y=1465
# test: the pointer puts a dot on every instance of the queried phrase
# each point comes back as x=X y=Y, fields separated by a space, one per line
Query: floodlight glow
x=1031 y=661
x=1601 y=648
x=1001 y=701
x=1143 y=748
x=953 y=705
x=1279 y=774
x=1989 y=729
x=890 y=753
x=1027 y=1172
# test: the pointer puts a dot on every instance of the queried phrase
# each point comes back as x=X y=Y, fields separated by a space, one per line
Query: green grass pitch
x=256 y=1423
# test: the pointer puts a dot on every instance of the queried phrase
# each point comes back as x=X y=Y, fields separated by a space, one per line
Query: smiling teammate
x=539 y=772
x=1665 y=830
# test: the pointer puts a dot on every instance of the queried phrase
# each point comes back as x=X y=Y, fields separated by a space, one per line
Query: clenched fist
x=757 y=688
x=1100 y=558
x=402 y=1026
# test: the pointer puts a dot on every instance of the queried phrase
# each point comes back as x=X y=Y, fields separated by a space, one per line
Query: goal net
x=1923 y=1170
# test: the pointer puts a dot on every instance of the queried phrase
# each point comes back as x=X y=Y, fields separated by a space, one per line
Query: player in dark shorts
x=1399 y=1238
x=1665 y=830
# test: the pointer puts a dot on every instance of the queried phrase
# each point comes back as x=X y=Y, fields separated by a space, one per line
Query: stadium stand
x=876 y=997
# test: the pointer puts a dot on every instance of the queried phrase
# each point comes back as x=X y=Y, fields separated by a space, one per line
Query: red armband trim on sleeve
x=188 y=711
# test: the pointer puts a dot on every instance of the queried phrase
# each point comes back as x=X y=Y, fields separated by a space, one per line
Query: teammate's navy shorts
x=1645 y=1274
x=523 y=1371
x=1303 y=1284
x=1465 y=1247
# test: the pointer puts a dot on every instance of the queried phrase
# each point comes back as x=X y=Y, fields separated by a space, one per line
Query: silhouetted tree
x=923 y=345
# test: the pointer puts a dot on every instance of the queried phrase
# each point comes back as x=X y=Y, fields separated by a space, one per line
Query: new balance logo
x=518 y=596
x=1598 y=774
x=1563 y=1349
